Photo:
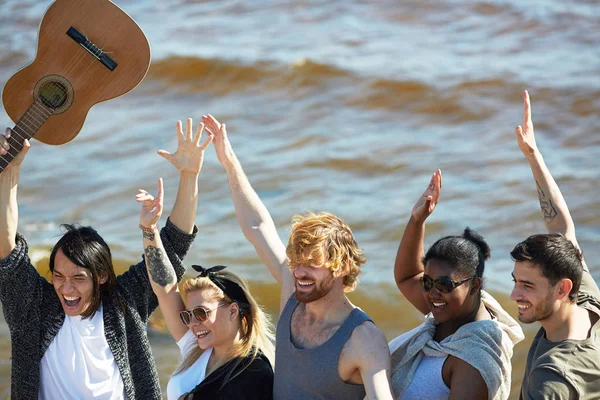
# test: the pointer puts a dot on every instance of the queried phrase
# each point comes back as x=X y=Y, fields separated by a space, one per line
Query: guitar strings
x=41 y=112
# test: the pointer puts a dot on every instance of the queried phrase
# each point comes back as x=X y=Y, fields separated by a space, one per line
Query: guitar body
x=88 y=51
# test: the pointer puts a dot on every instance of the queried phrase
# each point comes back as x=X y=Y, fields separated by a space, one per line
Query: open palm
x=427 y=202
x=189 y=155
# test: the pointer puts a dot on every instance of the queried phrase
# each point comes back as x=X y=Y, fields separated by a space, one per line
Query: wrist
x=149 y=232
x=417 y=220
x=534 y=155
x=190 y=175
x=151 y=227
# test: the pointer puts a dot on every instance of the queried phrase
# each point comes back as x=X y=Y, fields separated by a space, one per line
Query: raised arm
x=253 y=217
x=408 y=268
x=21 y=287
x=552 y=203
x=188 y=160
x=9 y=211
x=160 y=270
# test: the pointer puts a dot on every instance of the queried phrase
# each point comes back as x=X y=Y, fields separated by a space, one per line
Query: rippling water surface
x=344 y=106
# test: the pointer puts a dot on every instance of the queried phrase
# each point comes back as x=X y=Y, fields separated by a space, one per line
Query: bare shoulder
x=368 y=342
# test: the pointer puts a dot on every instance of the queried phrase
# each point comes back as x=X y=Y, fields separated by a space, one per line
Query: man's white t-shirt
x=78 y=364
x=187 y=380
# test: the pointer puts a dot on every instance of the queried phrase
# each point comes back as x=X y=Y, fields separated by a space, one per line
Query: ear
x=234 y=311
x=564 y=288
x=476 y=286
x=102 y=279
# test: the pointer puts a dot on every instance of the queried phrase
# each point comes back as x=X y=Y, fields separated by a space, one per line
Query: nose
x=299 y=271
x=515 y=295
x=68 y=286
x=193 y=322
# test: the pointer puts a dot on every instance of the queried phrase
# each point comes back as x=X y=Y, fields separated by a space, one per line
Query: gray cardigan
x=34 y=316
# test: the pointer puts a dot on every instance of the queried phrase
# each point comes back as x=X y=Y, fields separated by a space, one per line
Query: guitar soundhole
x=55 y=92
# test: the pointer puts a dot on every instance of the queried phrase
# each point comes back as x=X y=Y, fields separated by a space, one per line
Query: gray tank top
x=309 y=374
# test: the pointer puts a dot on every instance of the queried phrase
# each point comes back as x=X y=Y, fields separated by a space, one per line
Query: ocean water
x=340 y=106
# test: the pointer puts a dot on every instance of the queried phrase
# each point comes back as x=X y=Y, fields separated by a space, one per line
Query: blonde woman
x=227 y=348
x=224 y=337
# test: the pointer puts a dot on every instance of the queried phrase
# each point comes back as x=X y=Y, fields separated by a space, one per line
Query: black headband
x=230 y=288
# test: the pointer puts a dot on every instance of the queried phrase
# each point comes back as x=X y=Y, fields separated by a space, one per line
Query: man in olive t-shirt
x=567 y=369
x=554 y=286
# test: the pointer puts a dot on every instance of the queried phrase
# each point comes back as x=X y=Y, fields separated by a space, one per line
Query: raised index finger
x=160 y=190
x=526 y=109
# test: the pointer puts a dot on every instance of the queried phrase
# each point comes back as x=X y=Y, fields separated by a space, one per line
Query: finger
x=519 y=132
x=212 y=122
x=160 y=191
x=439 y=171
x=432 y=180
x=223 y=130
x=7 y=132
x=199 y=133
x=526 y=109
x=165 y=154
x=210 y=131
x=144 y=196
x=5 y=144
x=179 y=132
x=427 y=203
x=188 y=130
x=207 y=142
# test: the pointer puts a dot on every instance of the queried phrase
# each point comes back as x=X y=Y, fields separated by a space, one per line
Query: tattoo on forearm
x=147 y=232
x=548 y=210
x=159 y=266
x=148 y=235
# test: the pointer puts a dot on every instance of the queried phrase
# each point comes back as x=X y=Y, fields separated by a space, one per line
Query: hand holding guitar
x=189 y=155
x=5 y=149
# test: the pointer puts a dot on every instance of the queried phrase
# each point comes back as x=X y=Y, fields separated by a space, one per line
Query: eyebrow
x=77 y=275
x=521 y=280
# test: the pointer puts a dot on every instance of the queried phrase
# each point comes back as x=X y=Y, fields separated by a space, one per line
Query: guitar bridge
x=92 y=48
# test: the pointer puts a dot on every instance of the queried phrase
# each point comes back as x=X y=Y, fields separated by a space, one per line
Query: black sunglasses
x=443 y=284
x=200 y=314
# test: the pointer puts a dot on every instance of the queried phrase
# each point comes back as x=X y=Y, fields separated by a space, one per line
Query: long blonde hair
x=256 y=329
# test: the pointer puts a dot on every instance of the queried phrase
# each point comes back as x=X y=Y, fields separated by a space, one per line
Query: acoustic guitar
x=88 y=51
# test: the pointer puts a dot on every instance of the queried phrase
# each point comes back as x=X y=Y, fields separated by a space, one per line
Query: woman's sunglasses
x=200 y=314
x=443 y=284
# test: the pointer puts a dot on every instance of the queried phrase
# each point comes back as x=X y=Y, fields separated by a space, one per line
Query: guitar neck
x=26 y=128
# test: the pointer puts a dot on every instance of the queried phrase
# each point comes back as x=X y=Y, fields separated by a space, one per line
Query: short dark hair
x=556 y=255
x=84 y=247
x=466 y=253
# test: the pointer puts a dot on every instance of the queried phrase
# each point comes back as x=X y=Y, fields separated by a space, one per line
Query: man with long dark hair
x=553 y=286
x=84 y=334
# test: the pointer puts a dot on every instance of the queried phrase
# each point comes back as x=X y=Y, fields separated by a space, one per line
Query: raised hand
x=524 y=132
x=189 y=155
x=427 y=202
x=5 y=149
x=223 y=148
x=152 y=208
